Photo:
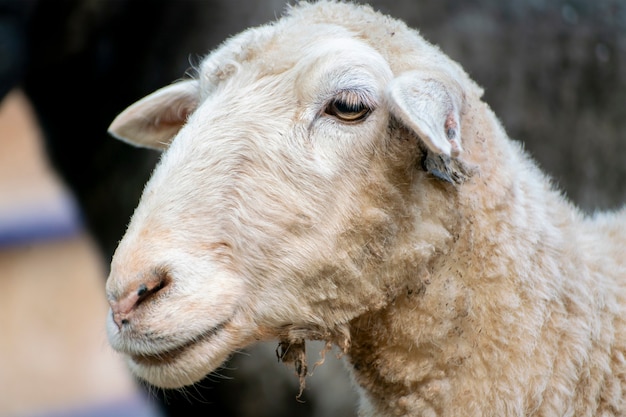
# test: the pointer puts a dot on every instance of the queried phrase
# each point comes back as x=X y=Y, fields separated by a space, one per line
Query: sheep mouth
x=172 y=355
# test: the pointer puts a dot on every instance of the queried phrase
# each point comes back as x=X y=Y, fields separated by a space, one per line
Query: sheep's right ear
x=153 y=121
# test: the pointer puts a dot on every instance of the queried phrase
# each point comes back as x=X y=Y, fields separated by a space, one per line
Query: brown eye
x=347 y=112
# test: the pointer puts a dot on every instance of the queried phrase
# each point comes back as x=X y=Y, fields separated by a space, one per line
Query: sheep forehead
x=277 y=48
x=345 y=51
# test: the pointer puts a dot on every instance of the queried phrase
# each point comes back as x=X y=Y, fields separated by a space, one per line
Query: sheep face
x=287 y=200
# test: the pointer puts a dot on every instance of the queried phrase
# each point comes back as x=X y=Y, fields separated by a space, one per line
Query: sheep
x=333 y=176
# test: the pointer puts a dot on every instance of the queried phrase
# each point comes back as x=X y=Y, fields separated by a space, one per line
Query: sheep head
x=306 y=175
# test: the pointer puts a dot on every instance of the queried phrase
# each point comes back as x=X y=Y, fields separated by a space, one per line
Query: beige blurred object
x=25 y=175
x=53 y=350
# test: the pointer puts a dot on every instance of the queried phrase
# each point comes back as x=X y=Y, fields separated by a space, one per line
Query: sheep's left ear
x=153 y=121
x=430 y=106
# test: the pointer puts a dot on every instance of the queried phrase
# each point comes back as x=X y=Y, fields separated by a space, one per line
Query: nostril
x=146 y=290
x=124 y=306
x=143 y=289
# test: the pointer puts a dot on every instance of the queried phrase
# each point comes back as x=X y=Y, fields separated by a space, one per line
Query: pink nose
x=124 y=306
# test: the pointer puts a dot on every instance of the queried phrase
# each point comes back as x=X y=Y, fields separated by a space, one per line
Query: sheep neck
x=482 y=328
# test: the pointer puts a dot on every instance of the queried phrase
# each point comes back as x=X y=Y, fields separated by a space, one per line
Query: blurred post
x=54 y=357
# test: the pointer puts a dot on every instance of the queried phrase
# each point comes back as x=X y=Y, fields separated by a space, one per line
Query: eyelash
x=348 y=107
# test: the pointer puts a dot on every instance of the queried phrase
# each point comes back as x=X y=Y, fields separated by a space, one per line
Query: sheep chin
x=190 y=362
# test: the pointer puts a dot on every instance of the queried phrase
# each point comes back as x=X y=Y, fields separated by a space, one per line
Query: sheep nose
x=124 y=306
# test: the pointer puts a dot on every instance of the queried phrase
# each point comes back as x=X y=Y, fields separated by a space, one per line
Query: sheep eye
x=347 y=112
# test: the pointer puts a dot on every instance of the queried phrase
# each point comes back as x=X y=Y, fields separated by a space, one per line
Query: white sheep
x=333 y=176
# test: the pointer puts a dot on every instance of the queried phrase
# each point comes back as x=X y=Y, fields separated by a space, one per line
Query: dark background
x=553 y=71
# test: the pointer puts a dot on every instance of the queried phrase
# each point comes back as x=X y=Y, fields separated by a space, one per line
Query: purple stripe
x=58 y=219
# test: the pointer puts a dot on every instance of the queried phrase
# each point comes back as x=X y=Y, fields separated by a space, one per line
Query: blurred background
x=554 y=71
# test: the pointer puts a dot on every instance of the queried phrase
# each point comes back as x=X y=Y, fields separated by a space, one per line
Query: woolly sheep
x=332 y=176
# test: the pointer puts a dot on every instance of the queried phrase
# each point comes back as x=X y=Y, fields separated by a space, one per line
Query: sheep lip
x=172 y=354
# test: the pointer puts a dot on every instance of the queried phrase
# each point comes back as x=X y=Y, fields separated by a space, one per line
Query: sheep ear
x=153 y=121
x=430 y=108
